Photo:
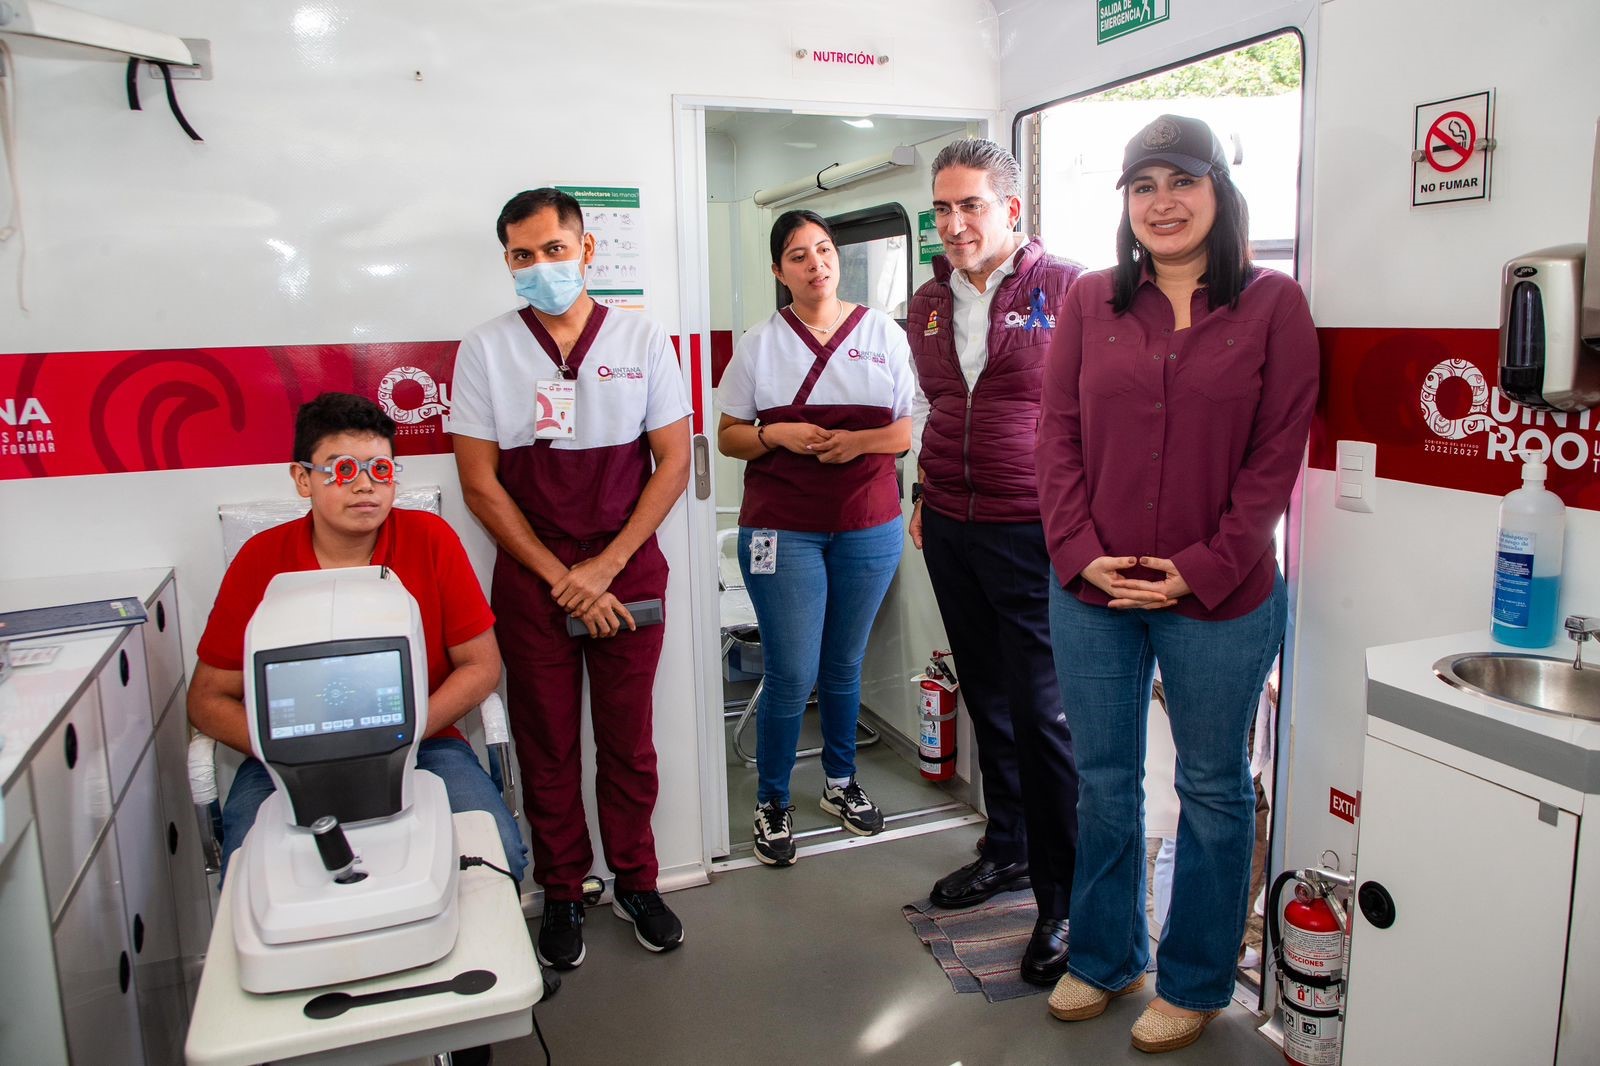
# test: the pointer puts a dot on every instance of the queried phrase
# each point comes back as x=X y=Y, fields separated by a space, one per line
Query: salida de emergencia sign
x=1454 y=144
x=1118 y=18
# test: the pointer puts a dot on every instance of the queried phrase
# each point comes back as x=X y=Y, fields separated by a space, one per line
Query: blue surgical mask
x=550 y=287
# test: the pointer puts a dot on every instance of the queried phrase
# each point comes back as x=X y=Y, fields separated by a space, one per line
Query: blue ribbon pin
x=1038 y=319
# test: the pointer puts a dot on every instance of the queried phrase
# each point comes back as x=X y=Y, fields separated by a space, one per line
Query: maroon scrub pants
x=544 y=682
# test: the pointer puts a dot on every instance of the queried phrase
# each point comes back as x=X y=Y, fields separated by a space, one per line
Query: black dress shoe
x=1045 y=960
x=977 y=881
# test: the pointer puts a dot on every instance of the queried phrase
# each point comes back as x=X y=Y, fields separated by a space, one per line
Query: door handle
x=702 y=467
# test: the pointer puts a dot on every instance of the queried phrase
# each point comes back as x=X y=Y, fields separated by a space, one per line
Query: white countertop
x=1409 y=667
x=33 y=698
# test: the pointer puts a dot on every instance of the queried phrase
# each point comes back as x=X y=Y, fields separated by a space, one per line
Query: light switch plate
x=1355 y=483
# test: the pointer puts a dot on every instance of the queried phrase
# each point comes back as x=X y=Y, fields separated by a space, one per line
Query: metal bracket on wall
x=200 y=49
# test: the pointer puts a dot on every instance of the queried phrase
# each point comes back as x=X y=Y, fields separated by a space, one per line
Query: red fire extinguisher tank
x=936 y=715
x=1309 y=951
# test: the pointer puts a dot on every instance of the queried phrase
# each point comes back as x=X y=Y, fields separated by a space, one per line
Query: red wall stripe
x=1424 y=396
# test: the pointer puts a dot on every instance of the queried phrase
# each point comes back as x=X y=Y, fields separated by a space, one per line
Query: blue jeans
x=465 y=782
x=814 y=614
x=1212 y=673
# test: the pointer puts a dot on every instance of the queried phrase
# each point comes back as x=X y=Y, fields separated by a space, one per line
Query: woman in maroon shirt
x=1176 y=406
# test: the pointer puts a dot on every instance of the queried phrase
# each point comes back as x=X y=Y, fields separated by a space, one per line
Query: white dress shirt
x=970 y=320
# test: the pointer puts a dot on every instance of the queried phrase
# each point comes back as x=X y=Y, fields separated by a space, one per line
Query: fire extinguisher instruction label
x=1310 y=1039
x=1513 y=579
x=1314 y=953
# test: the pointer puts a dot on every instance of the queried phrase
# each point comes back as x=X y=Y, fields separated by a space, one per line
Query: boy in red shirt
x=355 y=524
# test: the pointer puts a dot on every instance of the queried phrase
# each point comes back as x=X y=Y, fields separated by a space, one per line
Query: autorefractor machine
x=350 y=870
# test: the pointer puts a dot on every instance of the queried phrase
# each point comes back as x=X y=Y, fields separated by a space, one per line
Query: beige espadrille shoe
x=1076 y=1001
x=1155 y=1032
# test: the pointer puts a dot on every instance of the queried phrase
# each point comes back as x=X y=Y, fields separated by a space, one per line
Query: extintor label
x=1310 y=1039
x=1310 y=997
x=1313 y=953
x=928 y=735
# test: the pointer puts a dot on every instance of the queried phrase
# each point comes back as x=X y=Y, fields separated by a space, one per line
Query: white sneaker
x=859 y=814
x=774 y=835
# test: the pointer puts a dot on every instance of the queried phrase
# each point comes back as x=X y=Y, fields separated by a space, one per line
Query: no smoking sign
x=1453 y=145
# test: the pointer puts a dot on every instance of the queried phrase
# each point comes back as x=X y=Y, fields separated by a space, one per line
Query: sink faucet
x=1580 y=628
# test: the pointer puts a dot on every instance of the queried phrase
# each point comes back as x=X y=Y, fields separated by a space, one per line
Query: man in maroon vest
x=980 y=331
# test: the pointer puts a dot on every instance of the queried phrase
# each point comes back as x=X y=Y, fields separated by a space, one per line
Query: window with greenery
x=1251 y=98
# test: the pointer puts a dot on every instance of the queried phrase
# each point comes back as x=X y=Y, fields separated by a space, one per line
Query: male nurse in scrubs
x=571 y=430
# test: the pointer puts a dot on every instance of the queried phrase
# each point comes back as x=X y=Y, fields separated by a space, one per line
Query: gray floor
x=814 y=964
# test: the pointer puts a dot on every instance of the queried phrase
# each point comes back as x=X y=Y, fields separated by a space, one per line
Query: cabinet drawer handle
x=138 y=934
x=161 y=617
x=172 y=838
x=122 y=666
x=70 y=744
x=124 y=972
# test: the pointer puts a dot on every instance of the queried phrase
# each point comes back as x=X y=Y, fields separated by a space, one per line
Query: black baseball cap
x=1185 y=143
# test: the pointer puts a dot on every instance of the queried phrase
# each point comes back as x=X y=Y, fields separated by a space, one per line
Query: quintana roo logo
x=1477 y=417
x=429 y=406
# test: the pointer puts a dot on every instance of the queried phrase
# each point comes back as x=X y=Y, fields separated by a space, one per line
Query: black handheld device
x=645 y=613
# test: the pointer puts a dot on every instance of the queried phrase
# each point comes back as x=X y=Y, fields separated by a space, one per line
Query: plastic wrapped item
x=241 y=521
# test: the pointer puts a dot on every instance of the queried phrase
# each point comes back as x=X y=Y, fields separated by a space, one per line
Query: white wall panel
x=340 y=198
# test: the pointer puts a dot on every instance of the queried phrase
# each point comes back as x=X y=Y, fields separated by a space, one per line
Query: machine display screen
x=314 y=697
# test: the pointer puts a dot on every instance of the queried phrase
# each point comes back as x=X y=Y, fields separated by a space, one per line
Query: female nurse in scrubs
x=817 y=401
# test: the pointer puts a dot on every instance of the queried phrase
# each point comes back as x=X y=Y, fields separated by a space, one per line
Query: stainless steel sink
x=1536 y=682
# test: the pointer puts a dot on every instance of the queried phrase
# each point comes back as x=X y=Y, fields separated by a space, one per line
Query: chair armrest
x=203 y=790
x=202 y=769
x=497 y=738
x=492 y=711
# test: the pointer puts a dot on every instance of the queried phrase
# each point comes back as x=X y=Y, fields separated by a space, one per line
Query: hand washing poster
x=616 y=278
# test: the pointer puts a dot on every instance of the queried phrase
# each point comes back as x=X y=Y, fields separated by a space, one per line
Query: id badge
x=557 y=418
x=764 y=551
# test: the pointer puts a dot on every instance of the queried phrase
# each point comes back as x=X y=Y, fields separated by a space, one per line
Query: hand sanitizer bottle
x=1527 y=563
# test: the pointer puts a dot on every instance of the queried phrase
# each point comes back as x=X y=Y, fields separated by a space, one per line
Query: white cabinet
x=191 y=891
x=163 y=647
x=94 y=967
x=30 y=1010
x=150 y=919
x=124 y=708
x=1480 y=876
x=72 y=794
x=104 y=907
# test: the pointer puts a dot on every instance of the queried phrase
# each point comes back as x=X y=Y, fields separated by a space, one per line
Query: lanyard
x=566 y=365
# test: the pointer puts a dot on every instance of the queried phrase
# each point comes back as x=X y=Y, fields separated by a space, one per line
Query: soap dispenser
x=1527 y=562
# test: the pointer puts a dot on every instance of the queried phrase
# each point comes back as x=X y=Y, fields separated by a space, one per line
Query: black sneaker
x=774 y=835
x=654 y=924
x=561 y=934
x=861 y=816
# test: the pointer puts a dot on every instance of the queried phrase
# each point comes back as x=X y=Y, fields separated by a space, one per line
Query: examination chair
x=211 y=771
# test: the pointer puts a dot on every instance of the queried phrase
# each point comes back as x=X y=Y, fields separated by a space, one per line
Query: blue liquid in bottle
x=1540 y=631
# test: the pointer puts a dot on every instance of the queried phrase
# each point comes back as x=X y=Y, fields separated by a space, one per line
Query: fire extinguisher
x=936 y=739
x=1309 y=949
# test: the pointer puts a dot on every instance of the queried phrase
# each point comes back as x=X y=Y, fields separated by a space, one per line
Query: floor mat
x=980 y=948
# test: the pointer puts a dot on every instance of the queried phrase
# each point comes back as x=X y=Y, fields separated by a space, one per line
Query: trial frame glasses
x=343 y=469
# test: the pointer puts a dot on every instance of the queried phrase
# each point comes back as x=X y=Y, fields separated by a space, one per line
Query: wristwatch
x=916 y=493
